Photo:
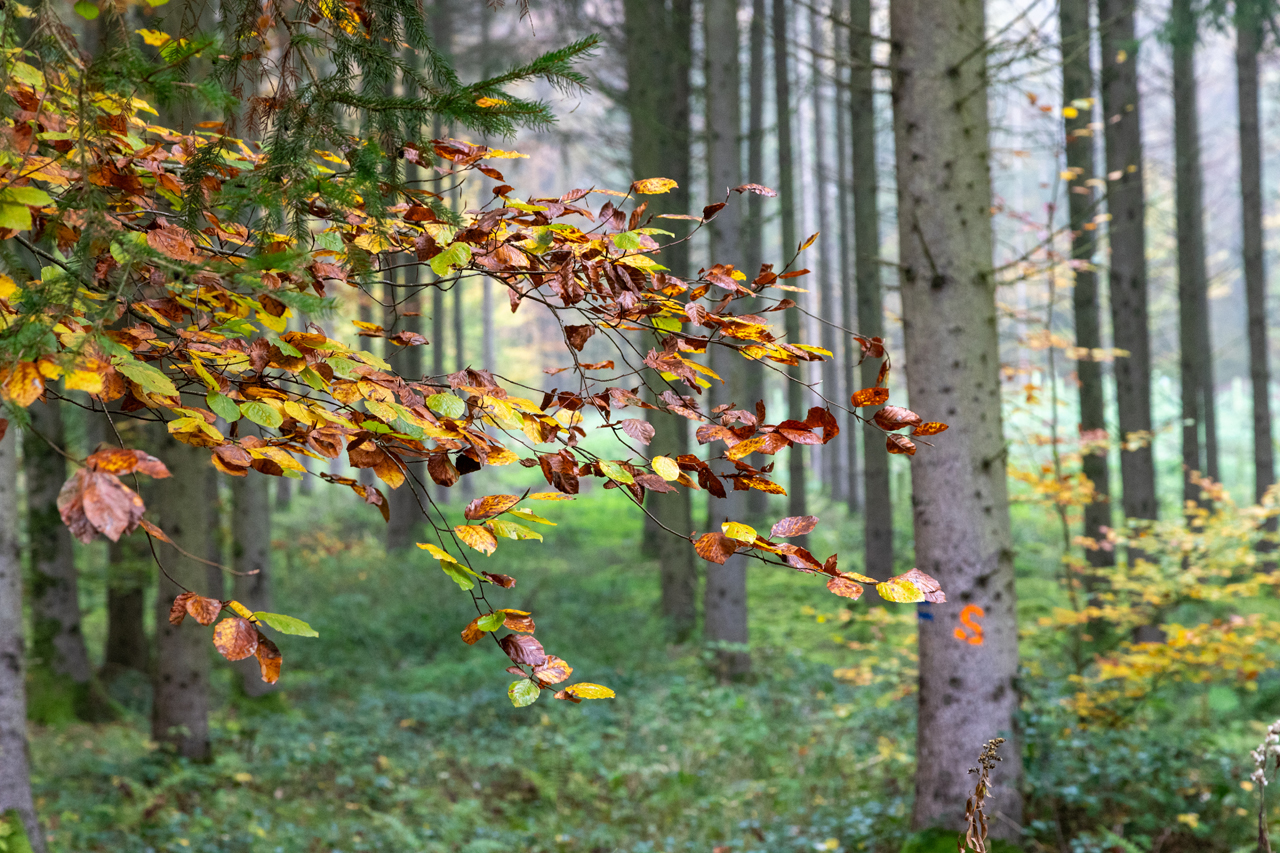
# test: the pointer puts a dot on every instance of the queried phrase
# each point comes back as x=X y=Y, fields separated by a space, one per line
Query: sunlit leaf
x=286 y=624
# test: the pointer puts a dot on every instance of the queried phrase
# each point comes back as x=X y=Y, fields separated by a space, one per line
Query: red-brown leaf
x=522 y=648
x=577 y=336
x=715 y=547
x=203 y=610
x=269 y=659
x=487 y=507
x=796 y=525
x=641 y=431
x=895 y=443
x=896 y=417
x=553 y=671
x=844 y=585
x=870 y=397
x=235 y=638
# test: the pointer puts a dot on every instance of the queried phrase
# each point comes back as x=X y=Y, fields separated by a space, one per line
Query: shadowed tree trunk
x=1126 y=202
x=180 y=708
x=877 y=498
x=1248 y=37
x=959 y=494
x=15 y=775
x=849 y=350
x=725 y=601
x=1077 y=87
x=796 y=470
x=753 y=248
x=64 y=682
x=828 y=457
x=659 y=53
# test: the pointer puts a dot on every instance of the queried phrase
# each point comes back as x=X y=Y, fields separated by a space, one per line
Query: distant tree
x=828 y=458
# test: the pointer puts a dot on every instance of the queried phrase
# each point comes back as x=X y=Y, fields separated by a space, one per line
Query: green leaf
x=511 y=530
x=616 y=472
x=447 y=405
x=86 y=10
x=457 y=255
x=261 y=414
x=15 y=216
x=529 y=515
x=493 y=621
x=223 y=406
x=313 y=378
x=666 y=324
x=33 y=196
x=286 y=624
x=458 y=574
x=627 y=241
x=523 y=692
x=152 y=379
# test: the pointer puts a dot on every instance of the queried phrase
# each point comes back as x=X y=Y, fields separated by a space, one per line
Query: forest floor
x=390 y=734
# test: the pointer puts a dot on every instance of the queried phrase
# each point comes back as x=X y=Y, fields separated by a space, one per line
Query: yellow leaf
x=549 y=496
x=1070 y=112
x=586 y=690
x=653 y=186
x=478 y=538
x=666 y=468
x=155 y=38
x=900 y=591
x=7 y=286
x=491 y=102
x=24 y=385
x=438 y=553
x=373 y=243
x=240 y=609
x=738 y=530
x=89 y=381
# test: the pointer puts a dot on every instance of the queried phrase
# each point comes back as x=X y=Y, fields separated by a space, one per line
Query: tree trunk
x=15 y=775
x=1192 y=278
x=967 y=692
x=796 y=468
x=1077 y=88
x=753 y=389
x=1248 y=32
x=251 y=552
x=1127 y=276
x=877 y=496
x=64 y=684
x=828 y=457
x=725 y=601
x=659 y=56
x=180 y=708
x=849 y=350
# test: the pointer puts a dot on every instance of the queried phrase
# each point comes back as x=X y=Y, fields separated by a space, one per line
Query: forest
x=869 y=399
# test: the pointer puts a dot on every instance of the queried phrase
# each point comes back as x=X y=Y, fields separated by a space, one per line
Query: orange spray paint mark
x=969 y=617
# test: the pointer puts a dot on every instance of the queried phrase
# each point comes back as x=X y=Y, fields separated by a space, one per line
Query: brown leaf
x=178 y=610
x=172 y=242
x=715 y=547
x=796 y=525
x=442 y=470
x=930 y=428
x=487 y=507
x=522 y=648
x=844 y=585
x=757 y=189
x=709 y=212
x=235 y=638
x=929 y=586
x=896 y=417
x=820 y=417
x=641 y=431
x=870 y=397
x=553 y=671
x=269 y=659
x=109 y=506
x=203 y=610
x=518 y=620
x=472 y=633
x=895 y=443
x=577 y=336
x=568 y=697
x=120 y=460
x=798 y=432
x=504 y=581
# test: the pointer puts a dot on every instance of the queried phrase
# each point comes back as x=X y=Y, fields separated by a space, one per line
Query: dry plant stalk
x=974 y=839
x=1267 y=754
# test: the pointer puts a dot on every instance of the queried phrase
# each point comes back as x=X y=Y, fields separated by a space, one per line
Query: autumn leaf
x=477 y=537
x=577 y=336
x=844 y=585
x=666 y=468
x=487 y=507
x=930 y=428
x=928 y=586
x=523 y=693
x=797 y=525
x=641 y=431
x=24 y=384
x=870 y=397
x=900 y=591
x=896 y=443
x=203 y=610
x=522 y=648
x=93 y=502
x=587 y=690
x=614 y=471
x=438 y=553
x=653 y=186
x=269 y=659
x=517 y=620
x=715 y=547
x=235 y=638
x=738 y=531
x=896 y=417
x=553 y=671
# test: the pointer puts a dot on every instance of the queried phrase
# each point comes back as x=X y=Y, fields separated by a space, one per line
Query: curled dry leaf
x=844 y=585
x=870 y=397
x=715 y=547
x=203 y=610
x=896 y=417
x=926 y=584
x=796 y=525
x=553 y=671
x=269 y=659
x=235 y=638
x=641 y=431
x=577 y=336
x=757 y=189
x=120 y=460
x=93 y=502
x=487 y=507
x=930 y=428
x=504 y=581
x=522 y=648
x=900 y=444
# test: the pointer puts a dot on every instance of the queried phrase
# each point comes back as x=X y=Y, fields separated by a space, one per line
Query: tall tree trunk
x=1077 y=88
x=15 y=774
x=849 y=351
x=877 y=495
x=753 y=389
x=180 y=708
x=796 y=468
x=1126 y=202
x=1192 y=278
x=251 y=552
x=725 y=601
x=128 y=569
x=1248 y=36
x=967 y=693
x=828 y=457
x=659 y=57
x=65 y=683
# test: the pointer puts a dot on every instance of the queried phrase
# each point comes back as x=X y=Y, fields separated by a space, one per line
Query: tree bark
x=850 y=352
x=251 y=544
x=1077 y=88
x=877 y=495
x=1248 y=36
x=1193 y=300
x=725 y=599
x=64 y=683
x=1127 y=276
x=967 y=692
x=828 y=457
x=15 y=774
x=659 y=57
x=796 y=468
x=753 y=389
x=180 y=708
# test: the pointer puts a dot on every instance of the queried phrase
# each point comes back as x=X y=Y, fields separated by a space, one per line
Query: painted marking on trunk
x=969 y=617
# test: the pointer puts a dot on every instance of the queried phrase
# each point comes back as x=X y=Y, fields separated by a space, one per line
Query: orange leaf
x=930 y=428
x=870 y=397
x=553 y=671
x=487 y=507
x=715 y=547
x=896 y=417
x=235 y=638
x=900 y=444
x=269 y=659
x=844 y=585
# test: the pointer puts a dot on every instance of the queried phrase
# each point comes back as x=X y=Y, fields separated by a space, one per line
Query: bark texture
x=753 y=389
x=796 y=469
x=180 y=707
x=967 y=694
x=1077 y=87
x=15 y=774
x=878 y=502
x=827 y=457
x=659 y=55
x=725 y=600
x=850 y=352
x=1127 y=276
